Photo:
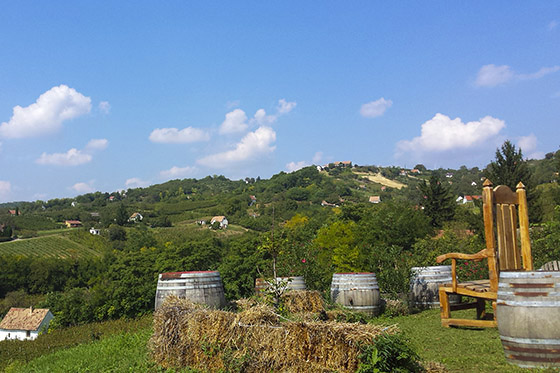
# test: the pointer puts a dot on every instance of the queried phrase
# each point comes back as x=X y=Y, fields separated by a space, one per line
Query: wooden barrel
x=528 y=315
x=198 y=286
x=357 y=291
x=292 y=283
x=424 y=286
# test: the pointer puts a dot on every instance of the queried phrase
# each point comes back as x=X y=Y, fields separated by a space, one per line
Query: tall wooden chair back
x=506 y=214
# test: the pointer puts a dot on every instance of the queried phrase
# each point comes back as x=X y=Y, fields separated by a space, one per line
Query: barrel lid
x=170 y=275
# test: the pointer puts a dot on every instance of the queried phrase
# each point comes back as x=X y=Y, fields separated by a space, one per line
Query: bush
x=389 y=353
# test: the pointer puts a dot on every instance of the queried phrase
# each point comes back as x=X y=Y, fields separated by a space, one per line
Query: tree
x=438 y=202
x=121 y=216
x=509 y=168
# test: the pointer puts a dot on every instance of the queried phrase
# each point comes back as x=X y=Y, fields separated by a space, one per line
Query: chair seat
x=479 y=286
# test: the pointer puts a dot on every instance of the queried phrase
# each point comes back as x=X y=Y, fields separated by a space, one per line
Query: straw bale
x=255 y=340
x=297 y=301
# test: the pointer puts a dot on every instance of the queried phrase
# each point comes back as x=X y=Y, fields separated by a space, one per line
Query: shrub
x=389 y=353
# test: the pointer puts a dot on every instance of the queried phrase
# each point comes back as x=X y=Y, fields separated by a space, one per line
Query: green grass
x=459 y=349
x=54 y=246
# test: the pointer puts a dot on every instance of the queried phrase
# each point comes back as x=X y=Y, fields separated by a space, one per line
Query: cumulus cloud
x=375 y=108
x=5 y=189
x=251 y=147
x=492 y=75
x=83 y=187
x=47 y=114
x=136 y=183
x=284 y=107
x=104 y=107
x=177 y=172
x=294 y=166
x=176 y=136
x=73 y=157
x=442 y=133
x=235 y=122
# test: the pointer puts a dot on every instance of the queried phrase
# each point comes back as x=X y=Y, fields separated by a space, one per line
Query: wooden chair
x=504 y=212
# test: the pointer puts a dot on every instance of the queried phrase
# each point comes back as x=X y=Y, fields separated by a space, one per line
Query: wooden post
x=488 y=206
x=524 y=227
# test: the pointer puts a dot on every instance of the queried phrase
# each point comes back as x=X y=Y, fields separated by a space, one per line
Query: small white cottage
x=24 y=323
x=220 y=219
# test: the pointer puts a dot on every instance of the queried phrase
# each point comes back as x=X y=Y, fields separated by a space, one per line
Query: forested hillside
x=311 y=222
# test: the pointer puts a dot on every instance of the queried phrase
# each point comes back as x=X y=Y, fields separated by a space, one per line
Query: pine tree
x=439 y=204
x=509 y=168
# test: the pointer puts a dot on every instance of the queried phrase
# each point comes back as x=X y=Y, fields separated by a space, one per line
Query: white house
x=220 y=219
x=136 y=217
x=94 y=231
x=24 y=323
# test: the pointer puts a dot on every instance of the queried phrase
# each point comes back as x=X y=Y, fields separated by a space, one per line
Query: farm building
x=136 y=217
x=73 y=223
x=220 y=219
x=24 y=323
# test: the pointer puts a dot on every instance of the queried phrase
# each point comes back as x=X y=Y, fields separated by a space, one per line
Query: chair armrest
x=482 y=254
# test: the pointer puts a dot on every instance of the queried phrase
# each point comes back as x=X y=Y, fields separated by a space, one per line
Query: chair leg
x=494 y=308
x=444 y=307
x=480 y=308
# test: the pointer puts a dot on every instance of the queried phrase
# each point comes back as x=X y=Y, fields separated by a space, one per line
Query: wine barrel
x=198 y=286
x=357 y=291
x=528 y=315
x=424 y=286
x=293 y=283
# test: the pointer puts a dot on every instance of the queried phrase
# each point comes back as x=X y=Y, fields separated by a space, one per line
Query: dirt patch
x=380 y=179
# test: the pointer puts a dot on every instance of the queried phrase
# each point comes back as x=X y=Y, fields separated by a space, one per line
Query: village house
x=24 y=323
x=95 y=232
x=325 y=203
x=135 y=217
x=374 y=199
x=253 y=200
x=13 y=212
x=220 y=219
x=73 y=223
x=467 y=199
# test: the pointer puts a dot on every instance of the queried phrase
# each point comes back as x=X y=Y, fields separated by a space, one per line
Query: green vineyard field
x=55 y=246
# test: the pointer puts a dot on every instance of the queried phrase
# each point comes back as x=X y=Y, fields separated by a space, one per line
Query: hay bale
x=254 y=340
x=297 y=301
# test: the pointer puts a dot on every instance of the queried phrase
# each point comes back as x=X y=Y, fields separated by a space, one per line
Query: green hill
x=55 y=246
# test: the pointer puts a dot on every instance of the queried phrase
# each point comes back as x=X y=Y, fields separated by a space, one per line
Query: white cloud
x=177 y=172
x=232 y=104
x=72 y=157
x=527 y=143
x=552 y=25
x=46 y=115
x=317 y=157
x=539 y=74
x=492 y=75
x=136 y=183
x=83 y=187
x=284 y=107
x=294 y=166
x=176 y=136
x=375 y=108
x=442 y=133
x=104 y=107
x=235 y=122
x=97 y=144
x=5 y=189
x=251 y=147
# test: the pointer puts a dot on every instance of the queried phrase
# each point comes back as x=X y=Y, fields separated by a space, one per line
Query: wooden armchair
x=504 y=212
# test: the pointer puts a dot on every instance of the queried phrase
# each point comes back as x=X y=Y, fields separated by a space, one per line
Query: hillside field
x=54 y=246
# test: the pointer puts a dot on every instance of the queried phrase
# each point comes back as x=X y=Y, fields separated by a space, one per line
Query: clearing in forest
x=380 y=179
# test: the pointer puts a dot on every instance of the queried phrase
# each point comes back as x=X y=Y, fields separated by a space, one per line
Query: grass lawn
x=459 y=349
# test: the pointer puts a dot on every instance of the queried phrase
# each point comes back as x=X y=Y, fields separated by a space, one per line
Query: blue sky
x=103 y=96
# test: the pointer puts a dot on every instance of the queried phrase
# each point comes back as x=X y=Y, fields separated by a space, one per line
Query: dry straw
x=254 y=340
